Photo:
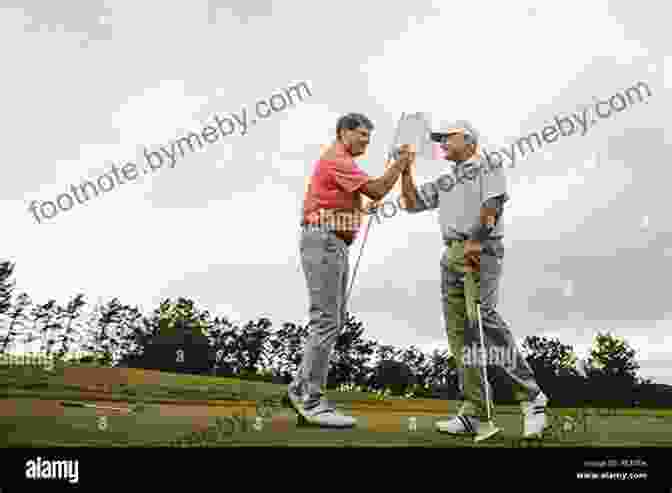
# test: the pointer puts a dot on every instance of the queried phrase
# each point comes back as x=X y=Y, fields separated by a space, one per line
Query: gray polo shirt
x=459 y=193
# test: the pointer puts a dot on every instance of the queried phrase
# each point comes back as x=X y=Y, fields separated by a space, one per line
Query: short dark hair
x=352 y=121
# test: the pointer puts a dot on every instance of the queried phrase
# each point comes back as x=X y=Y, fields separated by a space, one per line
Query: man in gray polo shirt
x=470 y=195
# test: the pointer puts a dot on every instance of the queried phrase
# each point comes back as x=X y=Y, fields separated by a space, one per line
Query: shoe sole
x=539 y=435
x=455 y=433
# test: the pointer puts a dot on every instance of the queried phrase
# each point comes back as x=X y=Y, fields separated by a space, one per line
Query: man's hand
x=406 y=156
x=472 y=256
x=488 y=216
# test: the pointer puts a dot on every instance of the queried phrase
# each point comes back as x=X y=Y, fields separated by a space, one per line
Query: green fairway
x=81 y=427
x=26 y=381
x=380 y=423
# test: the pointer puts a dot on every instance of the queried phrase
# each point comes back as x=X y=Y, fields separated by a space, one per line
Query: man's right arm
x=377 y=188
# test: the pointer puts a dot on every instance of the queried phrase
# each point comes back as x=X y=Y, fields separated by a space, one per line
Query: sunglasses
x=440 y=138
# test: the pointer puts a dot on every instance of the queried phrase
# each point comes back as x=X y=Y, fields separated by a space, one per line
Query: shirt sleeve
x=347 y=174
x=494 y=196
x=493 y=182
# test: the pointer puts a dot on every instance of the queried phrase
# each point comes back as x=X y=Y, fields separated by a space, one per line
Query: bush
x=394 y=375
x=253 y=376
x=185 y=352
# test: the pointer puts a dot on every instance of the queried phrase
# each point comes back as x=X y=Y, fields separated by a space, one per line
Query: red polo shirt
x=334 y=185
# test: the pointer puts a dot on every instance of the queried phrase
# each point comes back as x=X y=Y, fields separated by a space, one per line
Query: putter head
x=486 y=430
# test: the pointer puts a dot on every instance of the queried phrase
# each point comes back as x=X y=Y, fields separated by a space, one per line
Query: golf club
x=391 y=156
x=130 y=410
x=485 y=360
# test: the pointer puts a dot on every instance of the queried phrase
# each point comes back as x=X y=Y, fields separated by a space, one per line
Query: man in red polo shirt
x=331 y=221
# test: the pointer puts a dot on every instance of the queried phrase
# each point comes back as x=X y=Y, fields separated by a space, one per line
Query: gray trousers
x=324 y=258
x=459 y=292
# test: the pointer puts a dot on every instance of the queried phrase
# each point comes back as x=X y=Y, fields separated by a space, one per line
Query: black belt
x=450 y=241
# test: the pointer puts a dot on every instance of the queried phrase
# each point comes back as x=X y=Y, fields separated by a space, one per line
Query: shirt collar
x=454 y=166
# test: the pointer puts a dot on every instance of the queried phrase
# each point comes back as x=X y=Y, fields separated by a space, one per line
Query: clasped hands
x=406 y=157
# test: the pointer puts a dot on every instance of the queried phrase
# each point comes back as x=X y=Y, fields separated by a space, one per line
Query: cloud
x=159 y=115
x=301 y=134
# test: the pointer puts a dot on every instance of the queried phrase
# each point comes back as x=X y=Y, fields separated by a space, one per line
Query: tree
x=223 y=335
x=442 y=374
x=286 y=348
x=612 y=370
x=395 y=376
x=45 y=322
x=117 y=335
x=141 y=332
x=612 y=356
x=6 y=286
x=252 y=351
x=417 y=363
x=351 y=358
x=386 y=352
x=102 y=344
x=555 y=370
x=130 y=334
x=181 y=344
x=17 y=321
x=549 y=357
x=67 y=318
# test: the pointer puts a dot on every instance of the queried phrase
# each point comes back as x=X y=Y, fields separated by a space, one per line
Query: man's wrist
x=400 y=165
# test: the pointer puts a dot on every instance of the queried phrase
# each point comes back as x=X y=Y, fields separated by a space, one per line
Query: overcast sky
x=589 y=244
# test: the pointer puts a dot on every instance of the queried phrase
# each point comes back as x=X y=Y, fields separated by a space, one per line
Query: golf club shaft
x=485 y=361
x=368 y=225
x=93 y=406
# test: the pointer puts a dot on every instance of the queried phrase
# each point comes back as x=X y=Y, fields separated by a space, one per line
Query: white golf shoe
x=316 y=410
x=468 y=426
x=534 y=416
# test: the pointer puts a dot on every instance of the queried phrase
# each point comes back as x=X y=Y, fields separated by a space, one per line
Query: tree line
x=179 y=336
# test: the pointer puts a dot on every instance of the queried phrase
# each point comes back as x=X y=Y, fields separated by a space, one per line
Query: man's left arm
x=495 y=196
x=491 y=211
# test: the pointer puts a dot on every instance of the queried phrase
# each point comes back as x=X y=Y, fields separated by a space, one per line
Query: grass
x=381 y=423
